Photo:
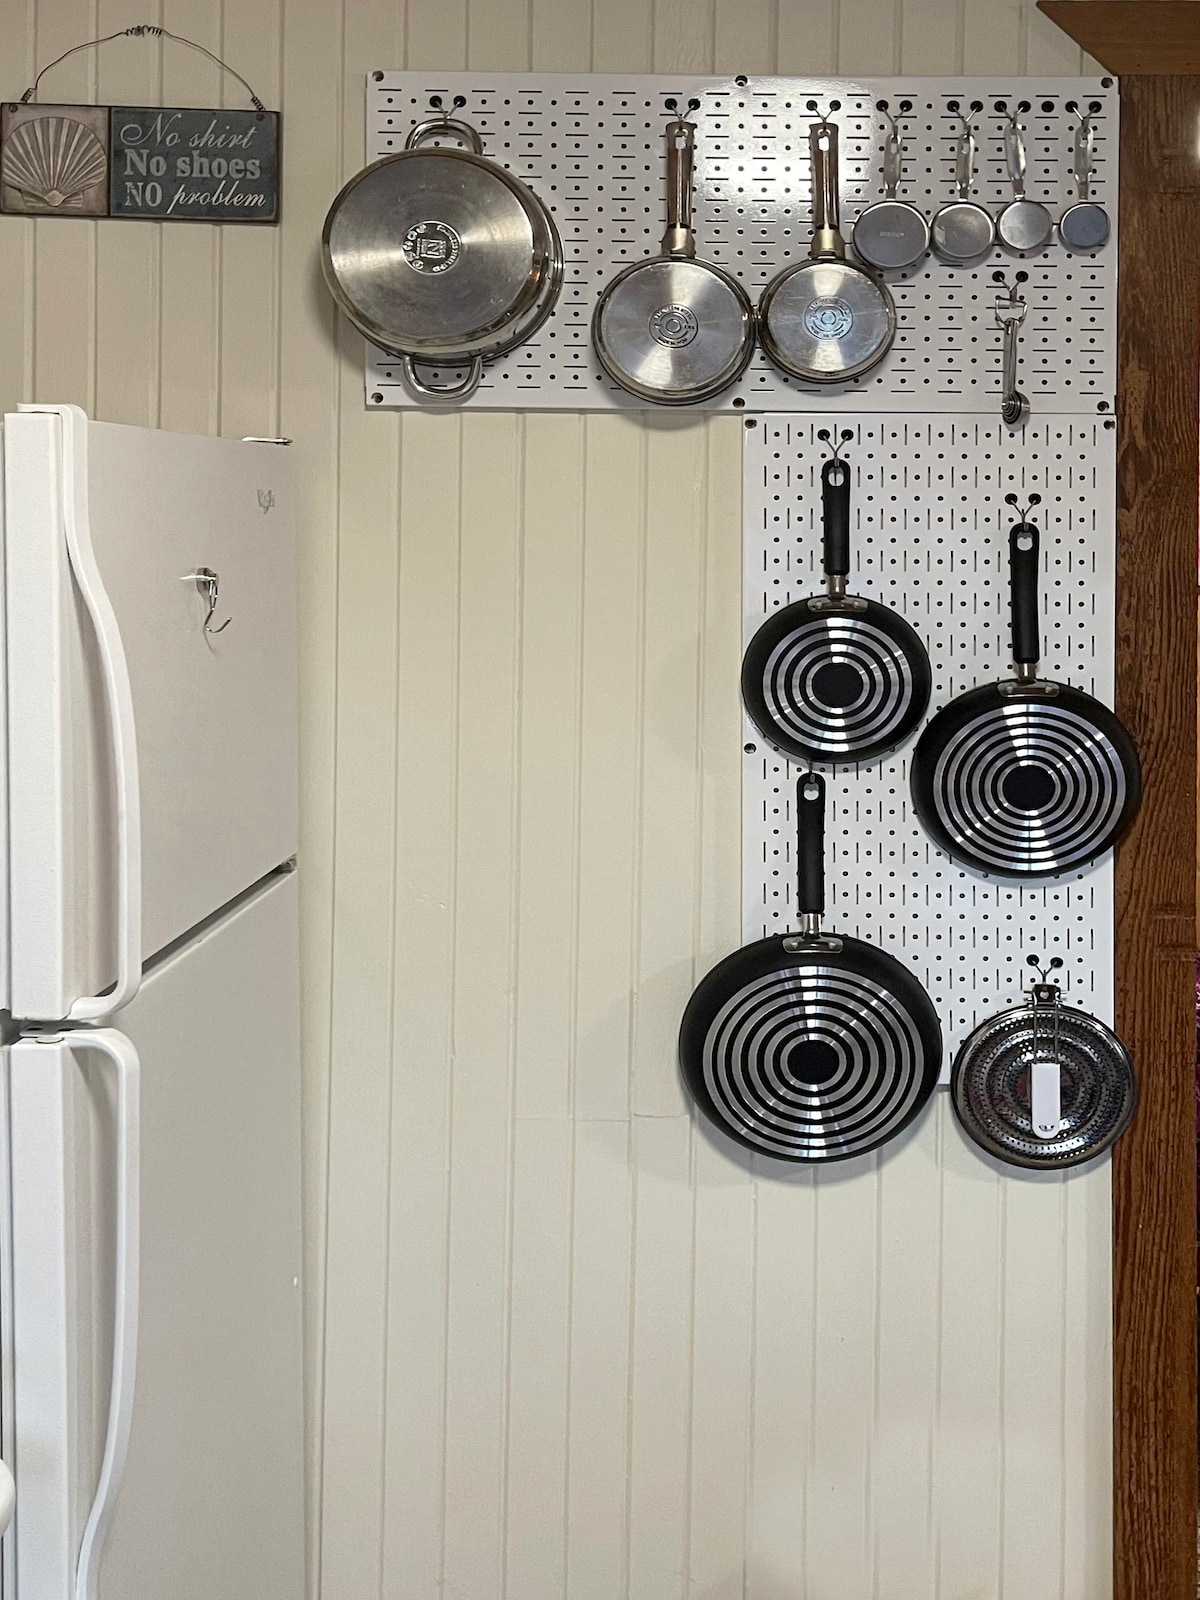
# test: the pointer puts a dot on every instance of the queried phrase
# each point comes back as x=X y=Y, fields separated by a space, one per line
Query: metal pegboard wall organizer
x=592 y=148
x=929 y=538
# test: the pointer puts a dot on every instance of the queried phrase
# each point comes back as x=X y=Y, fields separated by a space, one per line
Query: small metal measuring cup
x=891 y=233
x=1011 y=311
x=1084 y=225
x=962 y=229
x=1022 y=224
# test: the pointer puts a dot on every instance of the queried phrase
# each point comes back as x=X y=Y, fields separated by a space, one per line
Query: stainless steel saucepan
x=442 y=257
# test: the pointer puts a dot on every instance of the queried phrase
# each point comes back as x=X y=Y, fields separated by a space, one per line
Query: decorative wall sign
x=161 y=164
x=54 y=161
x=175 y=165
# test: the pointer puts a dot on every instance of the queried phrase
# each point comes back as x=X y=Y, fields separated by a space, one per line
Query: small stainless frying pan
x=672 y=329
x=826 y=319
x=1044 y=1085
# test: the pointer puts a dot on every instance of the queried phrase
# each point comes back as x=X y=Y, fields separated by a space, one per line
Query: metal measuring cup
x=962 y=230
x=1023 y=224
x=1084 y=225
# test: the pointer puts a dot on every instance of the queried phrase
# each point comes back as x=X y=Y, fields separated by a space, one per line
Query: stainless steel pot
x=442 y=257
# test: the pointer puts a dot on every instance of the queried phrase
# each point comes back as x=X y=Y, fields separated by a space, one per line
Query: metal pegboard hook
x=1012 y=290
x=1013 y=500
x=835 y=445
x=966 y=126
x=823 y=116
x=1053 y=965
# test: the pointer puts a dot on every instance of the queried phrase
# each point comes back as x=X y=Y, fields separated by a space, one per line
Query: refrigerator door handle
x=124 y=1057
x=120 y=1051
x=122 y=730
x=127 y=1069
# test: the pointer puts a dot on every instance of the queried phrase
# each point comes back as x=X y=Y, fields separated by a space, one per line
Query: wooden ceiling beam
x=1133 y=38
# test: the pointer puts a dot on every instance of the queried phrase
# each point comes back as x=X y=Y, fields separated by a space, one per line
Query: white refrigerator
x=151 y=1399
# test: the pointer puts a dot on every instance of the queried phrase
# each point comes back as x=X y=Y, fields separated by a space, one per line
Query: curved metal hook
x=208 y=584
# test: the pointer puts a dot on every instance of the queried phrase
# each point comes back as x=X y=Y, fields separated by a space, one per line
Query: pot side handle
x=430 y=391
x=436 y=125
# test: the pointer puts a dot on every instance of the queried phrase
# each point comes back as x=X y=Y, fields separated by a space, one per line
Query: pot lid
x=436 y=251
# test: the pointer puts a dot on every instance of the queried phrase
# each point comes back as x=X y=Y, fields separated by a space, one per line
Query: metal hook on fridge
x=208 y=584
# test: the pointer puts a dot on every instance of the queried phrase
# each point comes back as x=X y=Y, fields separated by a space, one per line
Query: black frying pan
x=1026 y=778
x=835 y=677
x=810 y=1046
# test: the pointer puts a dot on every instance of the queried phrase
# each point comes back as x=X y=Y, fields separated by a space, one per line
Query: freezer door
x=193 y=550
x=211 y=1493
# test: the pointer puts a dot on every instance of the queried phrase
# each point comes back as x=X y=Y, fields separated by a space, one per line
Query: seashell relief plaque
x=54 y=161
x=160 y=164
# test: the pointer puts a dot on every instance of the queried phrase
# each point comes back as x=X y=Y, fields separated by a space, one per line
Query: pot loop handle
x=426 y=130
x=431 y=391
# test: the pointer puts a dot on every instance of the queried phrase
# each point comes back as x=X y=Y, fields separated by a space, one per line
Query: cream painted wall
x=559 y=1345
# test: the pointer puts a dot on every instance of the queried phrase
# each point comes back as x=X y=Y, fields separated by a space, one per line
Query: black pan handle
x=1024 y=553
x=835 y=507
x=810 y=844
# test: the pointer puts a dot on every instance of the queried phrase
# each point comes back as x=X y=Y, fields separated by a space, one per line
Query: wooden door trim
x=1158 y=414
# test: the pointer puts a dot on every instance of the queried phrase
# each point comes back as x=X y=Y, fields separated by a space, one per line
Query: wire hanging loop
x=144 y=30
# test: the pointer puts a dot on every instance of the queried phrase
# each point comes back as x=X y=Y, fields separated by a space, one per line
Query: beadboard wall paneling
x=560 y=1345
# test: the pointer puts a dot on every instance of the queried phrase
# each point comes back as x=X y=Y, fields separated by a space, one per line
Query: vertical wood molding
x=1153 y=1174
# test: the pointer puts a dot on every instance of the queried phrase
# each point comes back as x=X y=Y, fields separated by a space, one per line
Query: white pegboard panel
x=592 y=148
x=930 y=538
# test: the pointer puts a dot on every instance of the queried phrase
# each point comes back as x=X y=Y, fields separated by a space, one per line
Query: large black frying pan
x=835 y=677
x=810 y=1046
x=1025 y=778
